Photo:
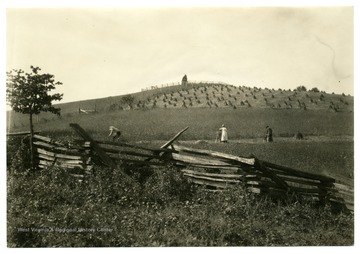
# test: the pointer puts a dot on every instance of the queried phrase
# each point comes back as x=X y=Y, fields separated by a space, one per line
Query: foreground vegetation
x=158 y=207
x=163 y=211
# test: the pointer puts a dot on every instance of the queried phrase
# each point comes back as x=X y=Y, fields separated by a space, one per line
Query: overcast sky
x=112 y=51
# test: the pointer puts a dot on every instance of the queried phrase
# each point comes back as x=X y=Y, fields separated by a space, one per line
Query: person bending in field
x=115 y=133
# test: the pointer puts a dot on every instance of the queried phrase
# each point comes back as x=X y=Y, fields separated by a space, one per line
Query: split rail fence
x=75 y=158
x=213 y=169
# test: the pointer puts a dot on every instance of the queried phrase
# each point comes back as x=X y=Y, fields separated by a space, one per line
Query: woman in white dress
x=224 y=134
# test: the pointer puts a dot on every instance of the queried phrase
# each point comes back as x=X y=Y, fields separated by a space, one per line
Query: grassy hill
x=158 y=113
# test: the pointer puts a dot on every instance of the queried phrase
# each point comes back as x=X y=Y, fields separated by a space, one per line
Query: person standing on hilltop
x=184 y=80
x=115 y=132
x=224 y=134
x=268 y=136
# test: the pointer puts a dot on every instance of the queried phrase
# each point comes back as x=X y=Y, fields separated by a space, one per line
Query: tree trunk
x=31 y=142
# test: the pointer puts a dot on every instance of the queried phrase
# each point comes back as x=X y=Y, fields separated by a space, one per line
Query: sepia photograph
x=179 y=125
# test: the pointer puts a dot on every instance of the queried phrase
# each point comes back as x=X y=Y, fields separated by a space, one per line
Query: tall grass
x=49 y=208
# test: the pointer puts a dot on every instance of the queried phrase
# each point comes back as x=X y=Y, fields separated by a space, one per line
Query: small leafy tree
x=28 y=93
x=129 y=100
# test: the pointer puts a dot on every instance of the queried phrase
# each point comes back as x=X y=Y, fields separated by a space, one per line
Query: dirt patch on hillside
x=305 y=139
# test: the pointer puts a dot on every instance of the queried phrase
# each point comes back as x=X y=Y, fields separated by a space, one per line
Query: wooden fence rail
x=189 y=83
x=204 y=167
x=53 y=153
x=23 y=133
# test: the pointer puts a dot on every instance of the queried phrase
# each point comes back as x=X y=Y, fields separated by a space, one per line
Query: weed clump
x=18 y=154
x=50 y=208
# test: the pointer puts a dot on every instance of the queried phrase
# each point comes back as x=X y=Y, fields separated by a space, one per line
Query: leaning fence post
x=174 y=138
x=167 y=144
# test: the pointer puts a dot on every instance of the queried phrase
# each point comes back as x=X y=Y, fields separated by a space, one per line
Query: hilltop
x=219 y=95
x=211 y=94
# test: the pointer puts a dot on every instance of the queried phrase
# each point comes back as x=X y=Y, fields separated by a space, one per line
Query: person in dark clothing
x=269 y=137
x=218 y=136
x=184 y=80
x=299 y=135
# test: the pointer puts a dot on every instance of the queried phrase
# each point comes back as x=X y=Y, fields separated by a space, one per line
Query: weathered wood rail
x=75 y=158
x=23 y=133
x=213 y=169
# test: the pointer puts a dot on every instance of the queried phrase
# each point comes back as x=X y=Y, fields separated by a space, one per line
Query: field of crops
x=327 y=147
x=201 y=101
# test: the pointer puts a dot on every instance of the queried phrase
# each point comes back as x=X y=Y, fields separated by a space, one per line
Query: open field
x=334 y=158
x=204 y=99
x=327 y=147
x=161 y=124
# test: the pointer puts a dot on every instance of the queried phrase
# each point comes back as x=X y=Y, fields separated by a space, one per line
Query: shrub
x=315 y=89
x=301 y=89
x=18 y=154
x=113 y=107
x=51 y=199
x=167 y=185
